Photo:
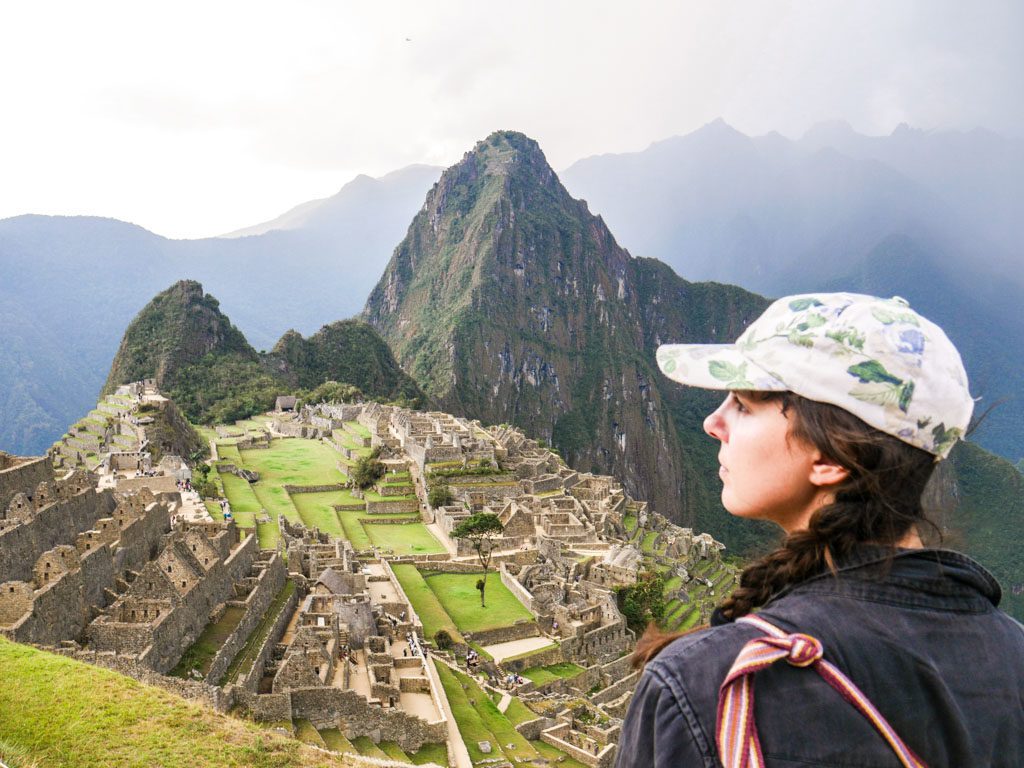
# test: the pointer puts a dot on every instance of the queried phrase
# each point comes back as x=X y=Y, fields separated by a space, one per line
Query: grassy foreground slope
x=58 y=712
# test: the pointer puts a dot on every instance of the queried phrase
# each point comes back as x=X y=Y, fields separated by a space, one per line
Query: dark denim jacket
x=922 y=638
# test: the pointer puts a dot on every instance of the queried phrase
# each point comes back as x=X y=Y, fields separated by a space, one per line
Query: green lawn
x=295 y=461
x=229 y=452
x=405 y=539
x=276 y=501
x=357 y=428
x=244 y=504
x=647 y=547
x=672 y=584
x=430 y=753
x=458 y=594
x=315 y=510
x=425 y=602
x=203 y=650
x=562 y=671
x=304 y=731
x=372 y=495
x=65 y=714
x=477 y=716
x=366 y=747
x=394 y=751
x=479 y=719
x=336 y=741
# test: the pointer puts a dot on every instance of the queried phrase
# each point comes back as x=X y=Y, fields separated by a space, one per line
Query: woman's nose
x=714 y=424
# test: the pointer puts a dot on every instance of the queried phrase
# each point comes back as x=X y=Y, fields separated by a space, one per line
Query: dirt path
x=502 y=651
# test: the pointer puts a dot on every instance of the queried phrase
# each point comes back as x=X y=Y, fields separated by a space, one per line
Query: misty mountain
x=935 y=217
x=717 y=204
x=70 y=285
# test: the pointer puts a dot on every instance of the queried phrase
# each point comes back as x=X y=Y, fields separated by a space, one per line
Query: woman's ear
x=825 y=472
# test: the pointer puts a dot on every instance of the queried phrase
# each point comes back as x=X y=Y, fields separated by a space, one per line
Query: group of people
x=414 y=645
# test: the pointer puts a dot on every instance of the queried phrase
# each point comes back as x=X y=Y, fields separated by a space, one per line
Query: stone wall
x=621 y=685
x=22 y=477
x=572 y=686
x=522 y=593
x=390 y=507
x=58 y=523
x=251 y=681
x=329 y=705
x=314 y=488
x=159 y=484
x=268 y=584
x=518 y=631
x=542 y=658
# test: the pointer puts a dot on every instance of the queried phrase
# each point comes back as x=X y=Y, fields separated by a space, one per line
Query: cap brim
x=715 y=366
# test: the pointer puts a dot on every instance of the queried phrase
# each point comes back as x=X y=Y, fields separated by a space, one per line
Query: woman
x=838 y=408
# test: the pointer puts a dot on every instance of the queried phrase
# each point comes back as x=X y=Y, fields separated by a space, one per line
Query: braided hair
x=879 y=503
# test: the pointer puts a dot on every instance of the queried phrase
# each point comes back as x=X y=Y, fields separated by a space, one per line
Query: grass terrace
x=315 y=510
x=460 y=598
x=411 y=538
x=228 y=452
x=61 y=713
x=201 y=654
x=246 y=657
x=336 y=741
x=563 y=671
x=358 y=429
x=425 y=602
x=478 y=719
x=294 y=461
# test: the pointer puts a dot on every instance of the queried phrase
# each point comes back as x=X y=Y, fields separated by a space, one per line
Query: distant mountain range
x=833 y=209
x=508 y=300
x=70 y=285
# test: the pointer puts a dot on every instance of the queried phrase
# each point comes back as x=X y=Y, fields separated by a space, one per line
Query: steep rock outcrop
x=509 y=301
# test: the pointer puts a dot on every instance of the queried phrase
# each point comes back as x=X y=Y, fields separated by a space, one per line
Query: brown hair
x=878 y=503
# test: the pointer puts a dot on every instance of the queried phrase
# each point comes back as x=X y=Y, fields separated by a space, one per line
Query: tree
x=480 y=530
x=440 y=495
x=368 y=470
x=643 y=602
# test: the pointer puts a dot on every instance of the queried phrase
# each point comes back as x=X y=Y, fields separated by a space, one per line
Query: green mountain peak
x=179 y=327
x=509 y=301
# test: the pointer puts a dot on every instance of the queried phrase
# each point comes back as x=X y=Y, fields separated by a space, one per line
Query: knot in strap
x=804 y=650
x=738 y=742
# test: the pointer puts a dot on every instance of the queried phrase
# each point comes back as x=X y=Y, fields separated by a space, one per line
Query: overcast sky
x=194 y=119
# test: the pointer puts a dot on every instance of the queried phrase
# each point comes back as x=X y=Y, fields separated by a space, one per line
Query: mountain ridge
x=508 y=301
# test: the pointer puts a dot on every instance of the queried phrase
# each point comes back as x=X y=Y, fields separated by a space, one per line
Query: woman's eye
x=740 y=407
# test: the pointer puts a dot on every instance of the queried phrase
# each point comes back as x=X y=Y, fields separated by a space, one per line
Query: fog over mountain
x=772 y=214
x=832 y=209
x=70 y=285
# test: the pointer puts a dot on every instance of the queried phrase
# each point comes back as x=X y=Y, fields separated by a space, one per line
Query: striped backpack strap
x=736 y=731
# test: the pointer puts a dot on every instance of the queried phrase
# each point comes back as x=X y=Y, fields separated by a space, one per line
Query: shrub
x=443 y=640
x=440 y=496
x=368 y=470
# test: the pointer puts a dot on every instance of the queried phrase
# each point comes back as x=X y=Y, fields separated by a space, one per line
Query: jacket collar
x=939 y=572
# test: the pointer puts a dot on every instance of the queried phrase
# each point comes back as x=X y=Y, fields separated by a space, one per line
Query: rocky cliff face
x=509 y=301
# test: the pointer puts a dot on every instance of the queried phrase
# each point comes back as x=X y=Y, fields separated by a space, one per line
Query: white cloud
x=198 y=118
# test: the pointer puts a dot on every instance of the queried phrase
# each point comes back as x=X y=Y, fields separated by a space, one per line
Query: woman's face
x=766 y=474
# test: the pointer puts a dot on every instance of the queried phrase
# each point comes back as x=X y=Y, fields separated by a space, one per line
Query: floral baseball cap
x=876 y=358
